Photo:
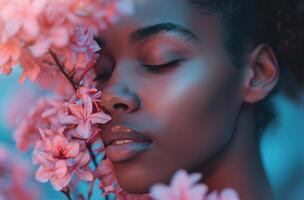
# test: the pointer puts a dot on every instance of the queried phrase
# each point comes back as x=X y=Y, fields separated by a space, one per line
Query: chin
x=134 y=185
x=134 y=178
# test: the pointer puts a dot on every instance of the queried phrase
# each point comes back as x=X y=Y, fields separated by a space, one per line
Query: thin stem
x=105 y=197
x=66 y=193
x=92 y=154
x=61 y=67
x=87 y=69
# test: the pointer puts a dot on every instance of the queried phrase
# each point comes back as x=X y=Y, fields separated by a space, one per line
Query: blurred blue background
x=282 y=146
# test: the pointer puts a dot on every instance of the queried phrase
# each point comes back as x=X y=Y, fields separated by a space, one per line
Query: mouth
x=123 y=143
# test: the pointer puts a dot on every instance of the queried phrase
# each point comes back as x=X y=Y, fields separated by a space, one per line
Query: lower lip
x=126 y=151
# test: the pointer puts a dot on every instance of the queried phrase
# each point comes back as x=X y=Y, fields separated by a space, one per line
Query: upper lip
x=120 y=132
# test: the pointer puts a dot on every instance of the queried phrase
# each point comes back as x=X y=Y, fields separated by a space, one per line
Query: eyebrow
x=148 y=31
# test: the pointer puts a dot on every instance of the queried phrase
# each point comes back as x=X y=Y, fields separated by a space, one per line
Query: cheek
x=197 y=106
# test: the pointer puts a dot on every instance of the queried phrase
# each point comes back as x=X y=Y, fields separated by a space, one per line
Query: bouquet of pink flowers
x=54 y=44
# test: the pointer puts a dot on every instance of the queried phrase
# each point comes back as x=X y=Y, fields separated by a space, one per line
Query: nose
x=119 y=98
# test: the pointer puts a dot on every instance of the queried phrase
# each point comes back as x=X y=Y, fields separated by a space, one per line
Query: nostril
x=120 y=106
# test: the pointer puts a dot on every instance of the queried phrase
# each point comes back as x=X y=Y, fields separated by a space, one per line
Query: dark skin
x=198 y=110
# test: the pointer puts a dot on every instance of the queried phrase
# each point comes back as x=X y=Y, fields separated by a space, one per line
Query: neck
x=239 y=165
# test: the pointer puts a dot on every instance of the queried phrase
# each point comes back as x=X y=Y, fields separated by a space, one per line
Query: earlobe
x=263 y=74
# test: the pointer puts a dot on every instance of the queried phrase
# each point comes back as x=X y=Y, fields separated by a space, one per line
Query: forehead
x=152 y=12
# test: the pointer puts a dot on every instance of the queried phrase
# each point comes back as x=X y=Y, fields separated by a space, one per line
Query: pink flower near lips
x=83 y=117
x=182 y=187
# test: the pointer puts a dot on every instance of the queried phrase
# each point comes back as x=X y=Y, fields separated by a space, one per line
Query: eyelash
x=153 y=68
x=157 y=68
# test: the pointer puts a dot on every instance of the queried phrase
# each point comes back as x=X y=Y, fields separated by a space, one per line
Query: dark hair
x=278 y=23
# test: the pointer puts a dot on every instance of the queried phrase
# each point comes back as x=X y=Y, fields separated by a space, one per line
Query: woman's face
x=188 y=108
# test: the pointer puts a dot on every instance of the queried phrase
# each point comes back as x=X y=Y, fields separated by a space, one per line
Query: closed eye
x=162 y=66
x=154 y=68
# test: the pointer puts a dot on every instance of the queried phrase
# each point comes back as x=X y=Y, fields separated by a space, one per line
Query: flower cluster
x=62 y=147
x=14 y=177
x=60 y=158
x=32 y=31
x=185 y=187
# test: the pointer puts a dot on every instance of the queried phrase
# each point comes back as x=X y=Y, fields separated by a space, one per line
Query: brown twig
x=89 y=147
x=66 y=192
x=87 y=69
x=61 y=67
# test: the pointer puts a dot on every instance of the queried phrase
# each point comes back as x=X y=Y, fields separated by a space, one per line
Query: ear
x=262 y=74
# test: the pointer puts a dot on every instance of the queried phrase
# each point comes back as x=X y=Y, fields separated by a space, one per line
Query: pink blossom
x=14 y=176
x=82 y=49
x=226 y=194
x=21 y=15
x=83 y=39
x=93 y=93
x=59 y=159
x=26 y=134
x=182 y=187
x=83 y=117
x=55 y=106
x=41 y=116
x=56 y=36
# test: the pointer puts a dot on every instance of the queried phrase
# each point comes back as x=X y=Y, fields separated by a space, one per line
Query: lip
x=125 y=151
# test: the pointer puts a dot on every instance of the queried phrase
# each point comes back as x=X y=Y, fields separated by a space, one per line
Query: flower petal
x=4 y=55
x=77 y=110
x=198 y=191
x=162 y=192
x=71 y=150
x=60 y=169
x=58 y=144
x=229 y=194
x=87 y=102
x=67 y=119
x=31 y=26
x=212 y=196
x=84 y=175
x=100 y=118
x=84 y=129
x=43 y=174
x=59 y=183
x=12 y=27
x=40 y=47
x=59 y=36
x=38 y=5
x=82 y=159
